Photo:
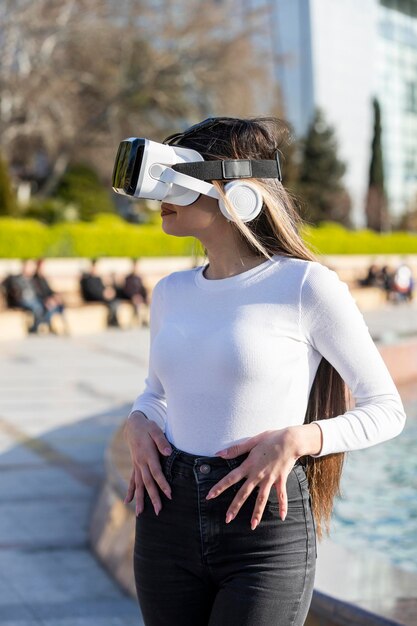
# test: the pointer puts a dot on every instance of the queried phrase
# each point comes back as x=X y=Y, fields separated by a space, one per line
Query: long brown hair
x=276 y=231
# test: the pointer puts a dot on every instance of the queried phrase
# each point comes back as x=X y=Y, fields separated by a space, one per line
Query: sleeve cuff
x=326 y=437
x=151 y=414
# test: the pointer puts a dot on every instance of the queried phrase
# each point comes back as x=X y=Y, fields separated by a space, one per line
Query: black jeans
x=193 y=569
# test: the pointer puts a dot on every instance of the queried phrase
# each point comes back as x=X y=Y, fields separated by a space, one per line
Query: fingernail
x=168 y=494
x=209 y=496
x=254 y=524
x=223 y=452
x=229 y=517
x=157 y=511
x=167 y=450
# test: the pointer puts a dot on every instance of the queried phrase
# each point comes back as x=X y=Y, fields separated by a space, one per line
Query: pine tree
x=7 y=195
x=376 y=209
x=320 y=176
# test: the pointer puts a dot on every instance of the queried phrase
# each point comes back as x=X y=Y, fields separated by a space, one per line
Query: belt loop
x=170 y=461
x=233 y=463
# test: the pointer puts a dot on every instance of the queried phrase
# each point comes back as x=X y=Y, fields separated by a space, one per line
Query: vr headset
x=177 y=175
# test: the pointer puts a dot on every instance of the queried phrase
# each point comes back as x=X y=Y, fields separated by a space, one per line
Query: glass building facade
x=340 y=55
x=397 y=90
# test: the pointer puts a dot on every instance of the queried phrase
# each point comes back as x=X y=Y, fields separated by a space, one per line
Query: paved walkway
x=60 y=401
x=392 y=322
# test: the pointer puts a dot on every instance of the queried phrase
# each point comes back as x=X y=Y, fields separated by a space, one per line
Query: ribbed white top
x=232 y=357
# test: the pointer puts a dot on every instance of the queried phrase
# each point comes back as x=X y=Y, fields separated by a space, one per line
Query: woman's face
x=200 y=219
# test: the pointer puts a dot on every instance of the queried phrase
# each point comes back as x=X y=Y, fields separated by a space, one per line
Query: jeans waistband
x=192 y=460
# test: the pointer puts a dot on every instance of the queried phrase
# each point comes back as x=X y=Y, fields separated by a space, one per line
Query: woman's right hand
x=145 y=438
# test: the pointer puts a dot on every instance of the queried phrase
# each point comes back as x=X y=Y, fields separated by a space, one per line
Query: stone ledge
x=13 y=325
x=88 y=318
x=326 y=610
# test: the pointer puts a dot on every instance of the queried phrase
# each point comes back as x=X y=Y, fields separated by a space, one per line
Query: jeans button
x=205 y=468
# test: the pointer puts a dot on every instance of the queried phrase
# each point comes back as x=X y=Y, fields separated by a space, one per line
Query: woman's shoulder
x=306 y=269
x=314 y=280
x=321 y=284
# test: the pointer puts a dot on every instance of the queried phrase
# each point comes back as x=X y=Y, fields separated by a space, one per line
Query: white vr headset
x=156 y=171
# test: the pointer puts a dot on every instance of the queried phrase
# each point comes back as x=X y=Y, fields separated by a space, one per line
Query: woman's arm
x=152 y=401
x=144 y=428
x=332 y=323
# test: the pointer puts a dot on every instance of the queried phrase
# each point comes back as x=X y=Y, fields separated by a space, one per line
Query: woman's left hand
x=272 y=455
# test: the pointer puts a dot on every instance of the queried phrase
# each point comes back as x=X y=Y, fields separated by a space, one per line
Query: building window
x=411 y=97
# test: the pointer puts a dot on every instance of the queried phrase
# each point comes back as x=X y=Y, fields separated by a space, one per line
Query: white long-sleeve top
x=233 y=357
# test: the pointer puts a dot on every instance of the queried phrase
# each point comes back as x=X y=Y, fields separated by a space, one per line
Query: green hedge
x=109 y=235
x=333 y=238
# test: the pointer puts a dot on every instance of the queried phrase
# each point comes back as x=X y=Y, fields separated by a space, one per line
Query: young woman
x=238 y=438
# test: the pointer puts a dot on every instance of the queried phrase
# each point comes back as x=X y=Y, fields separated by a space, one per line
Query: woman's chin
x=171 y=230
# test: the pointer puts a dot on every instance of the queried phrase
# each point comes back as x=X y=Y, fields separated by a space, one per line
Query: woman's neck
x=229 y=265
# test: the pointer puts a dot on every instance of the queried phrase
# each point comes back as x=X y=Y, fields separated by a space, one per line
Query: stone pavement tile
x=58 y=577
x=7 y=442
x=46 y=481
x=45 y=523
x=17 y=614
x=11 y=605
x=26 y=622
x=82 y=451
x=12 y=453
x=90 y=613
x=82 y=621
x=28 y=410
x=38 y=421
x=10 y=396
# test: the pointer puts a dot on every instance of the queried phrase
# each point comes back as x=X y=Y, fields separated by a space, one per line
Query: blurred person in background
x=134 y=290
x=372 y=277
x=21 y=294
x=238 y=438
x=403 y=283
x=93 y=289
x=52 y=301
x=387 y=281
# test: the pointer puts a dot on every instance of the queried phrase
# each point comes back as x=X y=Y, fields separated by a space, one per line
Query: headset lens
x=127 y=166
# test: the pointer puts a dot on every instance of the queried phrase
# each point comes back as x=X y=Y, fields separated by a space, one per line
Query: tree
x=81 y=188
x=320 y=175
x=376 y=208
x=7 y=195
x=77 y=76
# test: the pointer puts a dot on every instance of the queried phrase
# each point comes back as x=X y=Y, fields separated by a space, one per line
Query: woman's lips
x=166 y=212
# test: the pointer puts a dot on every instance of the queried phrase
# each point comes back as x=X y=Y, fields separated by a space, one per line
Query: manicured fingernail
x=209 y=496
x=254 y=524
x=167 y=450
x=229 y=517
x=223 y=452
x=168 y=494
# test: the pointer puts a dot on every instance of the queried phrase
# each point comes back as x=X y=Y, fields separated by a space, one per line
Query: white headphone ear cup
x=245 y=199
